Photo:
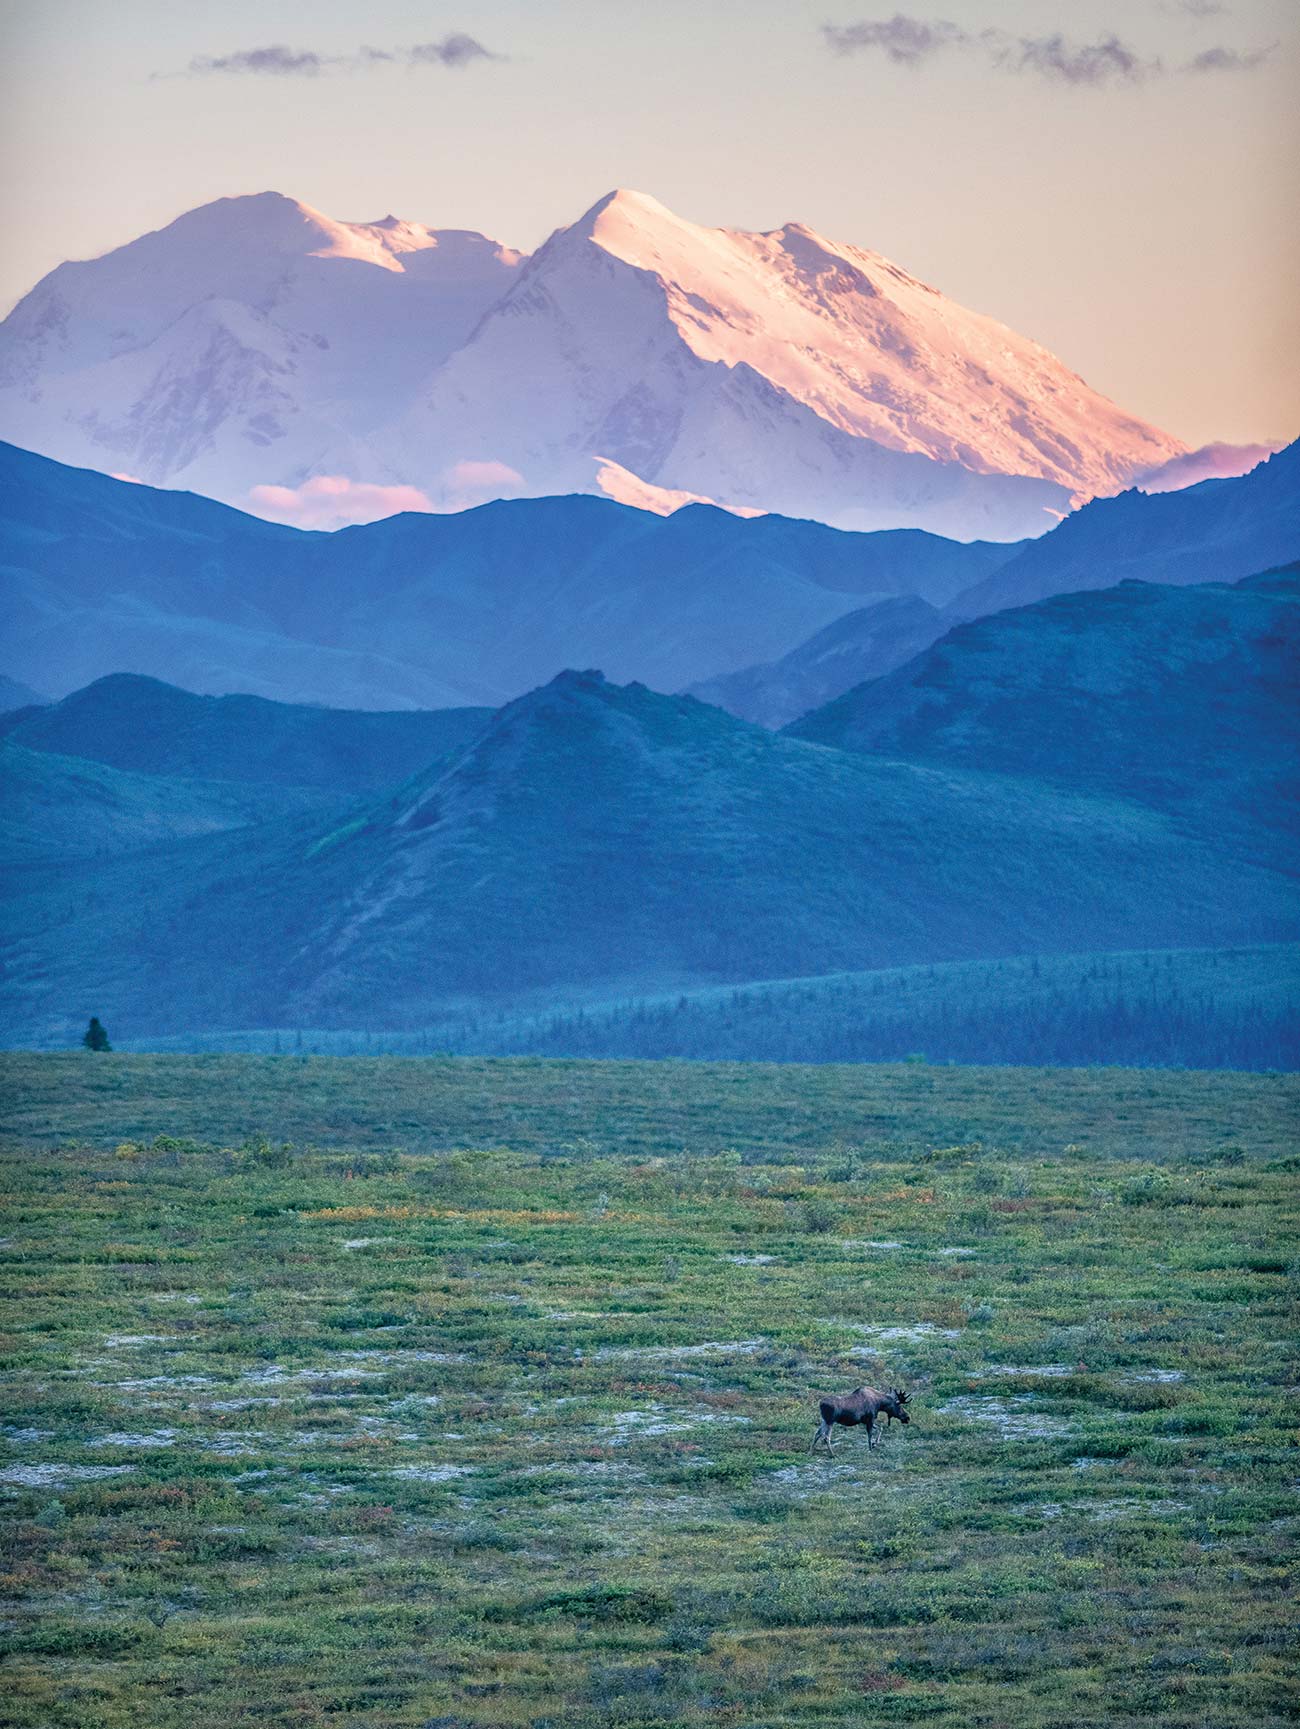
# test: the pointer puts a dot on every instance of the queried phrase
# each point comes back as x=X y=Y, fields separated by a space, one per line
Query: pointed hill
x=145 y=727
x=597 y=838
x=1179 y=698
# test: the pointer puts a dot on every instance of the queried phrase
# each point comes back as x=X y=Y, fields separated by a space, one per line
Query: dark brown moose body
x=862 y=1406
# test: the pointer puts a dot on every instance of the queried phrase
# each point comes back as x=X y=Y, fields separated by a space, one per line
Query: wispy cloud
x=905 y=41
x=1210 y=462
x=333 y=501
x=1107 y=61
x=277 y=60
x=458 y=49
x=912 y=42
x=329 y=501
x=1229 y=60
x=486 y=476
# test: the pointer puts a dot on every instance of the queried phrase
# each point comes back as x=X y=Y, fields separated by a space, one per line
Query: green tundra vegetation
x=477 y=1392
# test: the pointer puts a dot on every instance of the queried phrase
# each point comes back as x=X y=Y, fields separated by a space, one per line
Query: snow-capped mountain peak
x=253 y=343
x=874 y=351
x=623 y=207
x=256 y=344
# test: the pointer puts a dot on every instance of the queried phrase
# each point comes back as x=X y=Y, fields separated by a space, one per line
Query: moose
x=863 y=1405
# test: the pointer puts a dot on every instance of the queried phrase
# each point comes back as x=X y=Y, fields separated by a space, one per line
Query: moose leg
x=870 y=1423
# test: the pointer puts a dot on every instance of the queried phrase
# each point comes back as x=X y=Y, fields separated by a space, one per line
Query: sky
x=1118 y=178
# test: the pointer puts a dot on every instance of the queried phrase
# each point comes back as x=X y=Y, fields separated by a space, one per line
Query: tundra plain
x=478 y=1392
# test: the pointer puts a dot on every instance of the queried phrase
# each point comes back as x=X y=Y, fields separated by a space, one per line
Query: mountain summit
x=255 y=346
x=252 y=342
x=871 y=350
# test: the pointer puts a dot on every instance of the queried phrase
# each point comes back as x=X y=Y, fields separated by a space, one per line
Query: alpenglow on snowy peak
x=267 y=355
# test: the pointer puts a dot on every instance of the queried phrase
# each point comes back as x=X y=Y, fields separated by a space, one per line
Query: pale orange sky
x=1144 y=229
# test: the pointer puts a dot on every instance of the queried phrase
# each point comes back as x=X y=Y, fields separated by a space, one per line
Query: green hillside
x=1101 y=772
x=58 y=810
x=608 y=840
x=148 y=727
x=1180 y=698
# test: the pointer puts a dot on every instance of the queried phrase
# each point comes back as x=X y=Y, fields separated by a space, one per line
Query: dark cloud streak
x=912 y=42
x=1108 y=61
x=458 y=49
x=277 y=60
x=454 y=51
x=905 y=41
x=1229 y=60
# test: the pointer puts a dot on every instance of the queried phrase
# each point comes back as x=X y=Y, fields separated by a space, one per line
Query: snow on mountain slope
x=255 y=343
x=252 y=341
x=616 y=482
x=873 y=351
x=584 y=358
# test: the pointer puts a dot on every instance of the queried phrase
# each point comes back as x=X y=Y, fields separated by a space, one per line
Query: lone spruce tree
x=96 y=1038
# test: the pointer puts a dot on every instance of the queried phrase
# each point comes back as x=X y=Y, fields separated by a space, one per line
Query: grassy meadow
x=460 y=1392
